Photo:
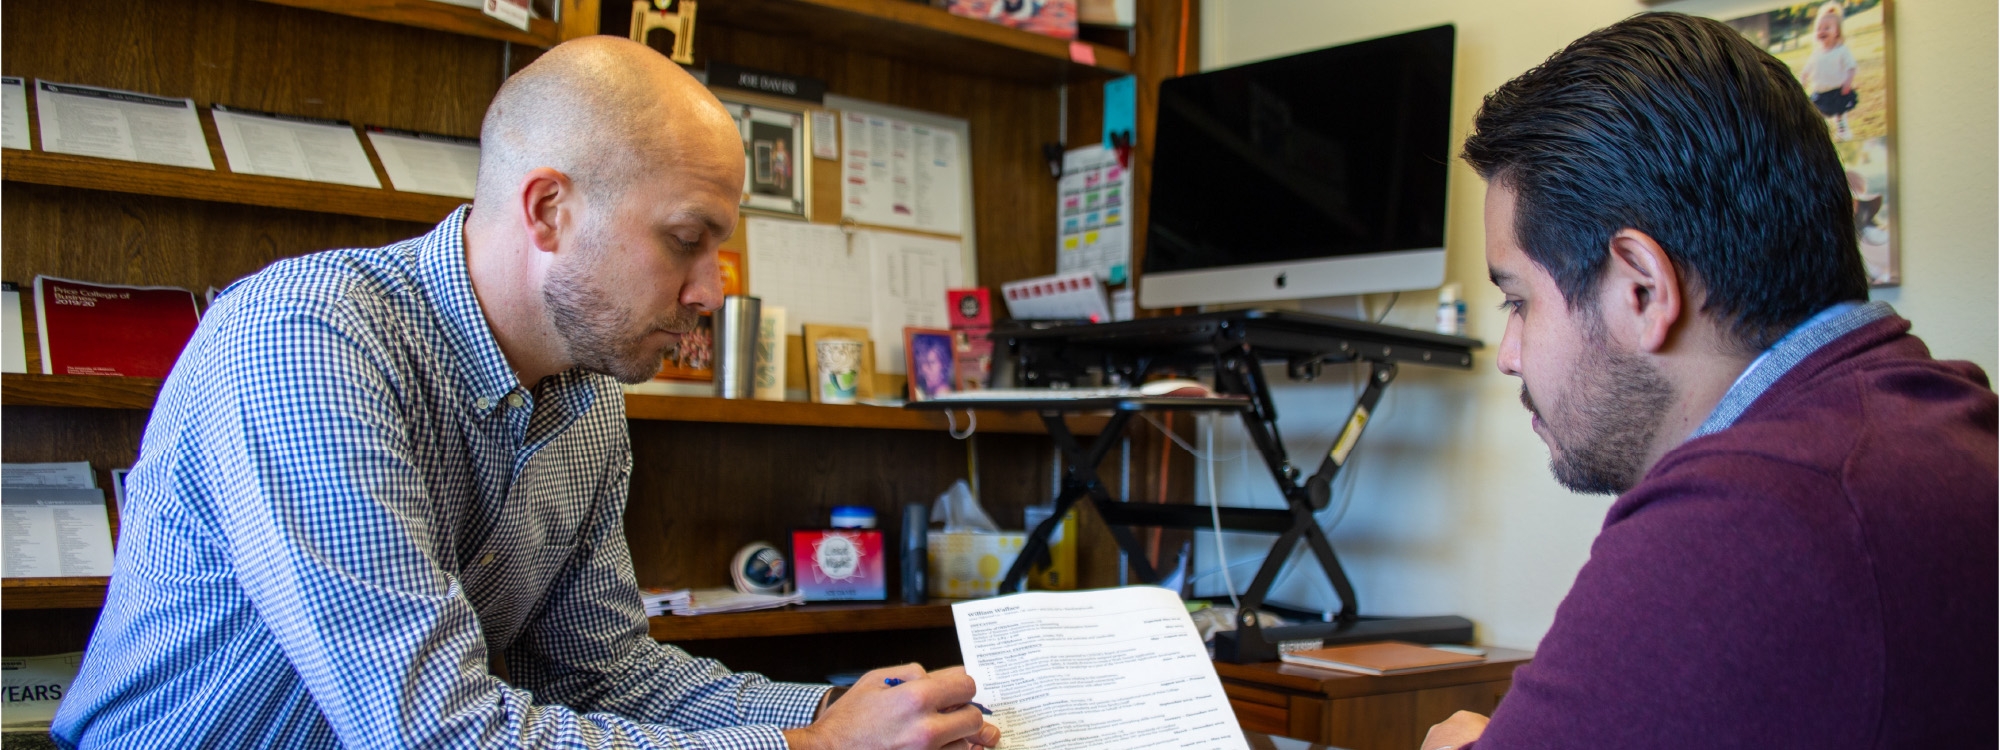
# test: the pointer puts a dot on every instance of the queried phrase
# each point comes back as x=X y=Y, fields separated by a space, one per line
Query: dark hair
x=1680 y=128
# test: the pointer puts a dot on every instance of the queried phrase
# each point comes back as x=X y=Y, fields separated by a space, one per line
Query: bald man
x=375 y=473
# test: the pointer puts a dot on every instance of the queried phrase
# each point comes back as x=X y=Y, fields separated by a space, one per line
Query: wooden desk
x=1363 y=712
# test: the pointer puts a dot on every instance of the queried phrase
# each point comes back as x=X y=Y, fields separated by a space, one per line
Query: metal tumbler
x=736 y=346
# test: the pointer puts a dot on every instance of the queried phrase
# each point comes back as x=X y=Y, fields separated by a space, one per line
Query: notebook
x=1382 y=658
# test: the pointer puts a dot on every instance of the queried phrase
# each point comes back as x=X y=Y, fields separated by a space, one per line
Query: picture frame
x=815 y=333
x=931 y=356
x=693 y=356
x=777 y=160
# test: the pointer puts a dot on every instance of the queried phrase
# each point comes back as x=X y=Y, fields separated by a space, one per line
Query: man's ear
x=549 y=204
x=1642 y=296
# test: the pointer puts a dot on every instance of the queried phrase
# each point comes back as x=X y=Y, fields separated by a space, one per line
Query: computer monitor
x=1313 y=175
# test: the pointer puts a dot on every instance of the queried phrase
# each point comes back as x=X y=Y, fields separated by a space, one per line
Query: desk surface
x=1499 y=665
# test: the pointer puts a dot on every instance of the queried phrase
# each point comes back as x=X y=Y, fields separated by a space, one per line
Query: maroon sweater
x=1821 y=574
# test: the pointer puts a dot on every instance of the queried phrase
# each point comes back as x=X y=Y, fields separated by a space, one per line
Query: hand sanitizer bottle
x=1451 y=310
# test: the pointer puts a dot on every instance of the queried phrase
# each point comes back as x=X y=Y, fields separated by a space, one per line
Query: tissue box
x=964 y=565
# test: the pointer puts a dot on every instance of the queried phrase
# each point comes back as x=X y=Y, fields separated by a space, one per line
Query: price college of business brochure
x=108 y=329
x=1114 y=669
x=301 y=148
x=124 y=125
x=427 y=163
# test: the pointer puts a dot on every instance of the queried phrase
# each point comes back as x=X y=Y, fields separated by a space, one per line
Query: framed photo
x=1841 y=52
x=932 y=355
x=693 y=355
x=776 y=163
x=837 y=371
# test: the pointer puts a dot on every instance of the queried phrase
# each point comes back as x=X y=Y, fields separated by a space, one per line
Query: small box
x=1056 y=18
x=969 y=308
x=839 y=565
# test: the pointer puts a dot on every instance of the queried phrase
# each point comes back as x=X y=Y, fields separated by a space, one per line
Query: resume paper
x=123 y=125
x=1115 y=669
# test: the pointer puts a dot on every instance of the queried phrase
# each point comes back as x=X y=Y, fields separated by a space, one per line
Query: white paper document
x=48 y=532
x=908 y=275
x=125 y=125
x=301 y=148
x=904 y=174
x=13 y=339
x=13 y=113
x=427 y=163
x=1112 y=669
x=882 y=281
x=1093 y=216
x=71 y=474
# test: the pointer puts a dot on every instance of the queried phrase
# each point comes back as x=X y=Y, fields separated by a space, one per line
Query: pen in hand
x=892 y=682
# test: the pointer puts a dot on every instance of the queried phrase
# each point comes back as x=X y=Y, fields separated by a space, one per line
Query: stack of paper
x=660 y=601
x=712 y=601
x=53 y=520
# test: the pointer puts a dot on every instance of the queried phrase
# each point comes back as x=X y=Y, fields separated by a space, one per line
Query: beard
x=1603 y=429
x=597 y=335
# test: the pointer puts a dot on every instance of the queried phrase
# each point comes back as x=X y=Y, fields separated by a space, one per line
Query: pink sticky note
x=1082 y=52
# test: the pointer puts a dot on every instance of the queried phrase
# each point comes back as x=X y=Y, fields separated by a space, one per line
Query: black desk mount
x=1235 y=346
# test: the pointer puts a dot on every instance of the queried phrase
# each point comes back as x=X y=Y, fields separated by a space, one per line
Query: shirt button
x=487 y=560
x=483 y=402
x=514 y=400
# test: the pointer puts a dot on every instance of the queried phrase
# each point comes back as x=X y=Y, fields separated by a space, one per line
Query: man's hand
x=925 y=712
x=1462 y=727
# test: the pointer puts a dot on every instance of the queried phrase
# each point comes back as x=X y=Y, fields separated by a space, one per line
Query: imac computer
x=1313 y=175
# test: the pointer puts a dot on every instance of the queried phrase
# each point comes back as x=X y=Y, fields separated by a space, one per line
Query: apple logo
x=1280 y=281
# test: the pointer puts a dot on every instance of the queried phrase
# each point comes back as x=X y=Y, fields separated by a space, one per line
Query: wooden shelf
x=60 y=593
x=138 y=393
x=456 y=19
x=911 y=30
x=220 y=186
x=807 y=619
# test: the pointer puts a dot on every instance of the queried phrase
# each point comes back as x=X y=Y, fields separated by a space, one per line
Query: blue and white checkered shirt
x=346 y=500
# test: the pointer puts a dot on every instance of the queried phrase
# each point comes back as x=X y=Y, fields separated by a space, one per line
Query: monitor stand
x=1230 y=343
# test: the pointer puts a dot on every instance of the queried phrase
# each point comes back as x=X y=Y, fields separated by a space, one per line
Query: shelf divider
x=53 y=593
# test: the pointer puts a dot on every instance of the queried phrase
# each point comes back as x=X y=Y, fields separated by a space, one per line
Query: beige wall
x=1453 y=510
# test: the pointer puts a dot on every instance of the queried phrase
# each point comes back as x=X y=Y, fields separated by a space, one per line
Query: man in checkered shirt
x=375 y=473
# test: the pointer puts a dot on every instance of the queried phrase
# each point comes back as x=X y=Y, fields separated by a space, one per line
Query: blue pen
x=892 y=682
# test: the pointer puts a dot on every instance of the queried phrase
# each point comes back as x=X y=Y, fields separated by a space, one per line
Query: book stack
x=1380 y=658
x=660 y=601
x=718 y=600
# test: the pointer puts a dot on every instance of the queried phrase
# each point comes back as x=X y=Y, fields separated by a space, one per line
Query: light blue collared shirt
x=1818 y=331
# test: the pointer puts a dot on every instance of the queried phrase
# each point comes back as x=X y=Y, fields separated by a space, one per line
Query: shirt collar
x=447 y=282
x=1804 y=339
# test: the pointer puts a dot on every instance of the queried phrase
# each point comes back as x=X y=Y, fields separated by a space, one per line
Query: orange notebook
x=1385 y=657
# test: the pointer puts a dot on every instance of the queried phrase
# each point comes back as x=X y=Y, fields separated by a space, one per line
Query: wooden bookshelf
x=58 y=593
x=456 y=19
x=918 y=32
x=139 y=393
x=808 y=619
x=116 y=176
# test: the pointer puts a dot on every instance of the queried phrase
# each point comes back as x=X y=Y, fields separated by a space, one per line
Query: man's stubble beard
x=1610 y=415
x=594 y=333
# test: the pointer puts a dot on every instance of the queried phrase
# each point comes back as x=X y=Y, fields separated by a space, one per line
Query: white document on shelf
x=13 y=113
x=35 y=685
x=13 y=339
x=124 y=125
x=301 y=148
x=427 y=163
x=47 y=532
x=70 y=474
x=909 y=275
x=809 y=270
x=899 y=173
x=1116 y=669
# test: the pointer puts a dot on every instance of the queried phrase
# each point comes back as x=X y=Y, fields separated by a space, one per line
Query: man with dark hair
x=1802 y=552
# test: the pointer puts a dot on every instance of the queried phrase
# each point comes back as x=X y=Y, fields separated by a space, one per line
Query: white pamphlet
x=35 y=686
x=897 y=173
x=511 y=12
x=301 y=148
x=13 y=114
x=1112 y=669
x=825 y=135
x=47 y=532
x=1093 y=216
x=124 y=125
x=13 y=339
x=74 y=475
x=427 y=163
